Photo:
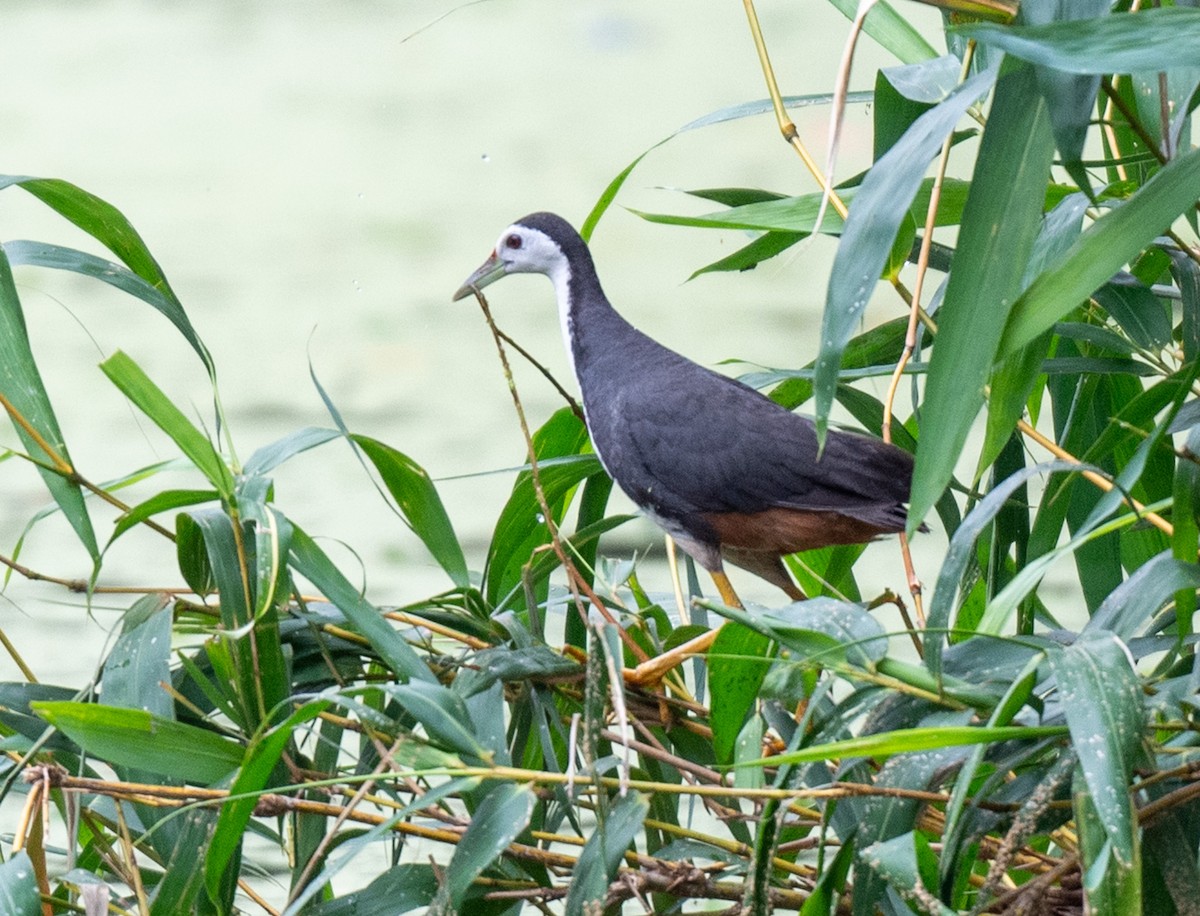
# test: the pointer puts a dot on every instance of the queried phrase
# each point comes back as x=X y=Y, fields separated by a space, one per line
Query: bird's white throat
x=560 y=275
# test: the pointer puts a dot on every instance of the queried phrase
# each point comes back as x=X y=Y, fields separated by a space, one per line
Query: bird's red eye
x=513 y=241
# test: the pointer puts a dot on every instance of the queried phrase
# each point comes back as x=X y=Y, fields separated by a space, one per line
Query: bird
x=728 y=473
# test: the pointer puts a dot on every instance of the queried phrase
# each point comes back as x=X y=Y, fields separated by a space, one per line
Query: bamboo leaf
x=311 y=562
x=135 y=738
x=997 y=236
x=150 y=399
x=876 y=213
x=1150 y=39
x=1101 y=697
x=603 y=854
x=498 y=820
x=737 y=664
x=419 y=504
x=18 y=887
x=21 y=385
x=1111 y=242
x=140 y=662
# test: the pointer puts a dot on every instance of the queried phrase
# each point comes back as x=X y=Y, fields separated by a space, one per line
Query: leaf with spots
x=1101 y=697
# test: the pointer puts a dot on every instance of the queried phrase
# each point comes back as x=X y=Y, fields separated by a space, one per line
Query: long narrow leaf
x=998 y=231
x=150 y=399
x=879 y=207
x=21 y=385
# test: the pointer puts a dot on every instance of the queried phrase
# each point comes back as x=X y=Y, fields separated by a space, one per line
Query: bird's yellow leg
x=653 y=670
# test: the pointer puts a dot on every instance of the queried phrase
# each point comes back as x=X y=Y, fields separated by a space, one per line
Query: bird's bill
x=489 y=271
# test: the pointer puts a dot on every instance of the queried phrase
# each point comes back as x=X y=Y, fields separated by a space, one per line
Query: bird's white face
x=520 y=250
x=527 y=251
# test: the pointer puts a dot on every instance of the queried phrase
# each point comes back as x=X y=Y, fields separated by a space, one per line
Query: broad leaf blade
x=150 y=399
x=997 y=235
x=1101 y=697
x=21 y=385
x=1102 y=250
x=876 y=213
x=419 y=504
x=498 y=820
x=135 y=738
x=603 y=853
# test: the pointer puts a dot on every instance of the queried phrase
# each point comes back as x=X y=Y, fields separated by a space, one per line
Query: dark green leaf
x=56 y=257
x=876 y=214
x=419 y=505
x=444 y=716
x=1101 y=697
x=996 y=239
x=149 y=398
x=21 y=384
x=896 y=862
x=763 y=248
x=311 y=562
x=603 y=854
x=400 y=889
x=1103 y=249
x=19 y=887
x=132 y=737
x=138 y=668
x=826 y=631
x=737 y=664
x=1139 y=312
x=261 y=758
x=161 y=502
x=498 y=820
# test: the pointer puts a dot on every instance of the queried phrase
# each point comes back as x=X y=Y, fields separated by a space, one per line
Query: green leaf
x=132 y=737
x=907 y=740
x=138 y=668
x=1150 y=39
x=720 y=116
x=502 y=815
x=108 y=225
x=164 y=501
x=896 y=860
x=444 y=716
x=826 y=631
x=521 y=528
x=737 y=664
x=1101 y=697
x=603 y=854
x=419 y=504
x=19 y=887
x=269 y=457
x=876 y=213
x=890 y=29
x=311 y=562
x=260 y=760
x=997 y=236
x=400 y=889
x=56 y=257
x=183 y=876
x=1109 y=886
x=1139 y=312
x=1013 y=379
x=1111 y=242
x=149 y=398
x=21 y=384
x=763 y=248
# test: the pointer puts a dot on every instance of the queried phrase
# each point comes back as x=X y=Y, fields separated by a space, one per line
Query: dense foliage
x=1013 y=764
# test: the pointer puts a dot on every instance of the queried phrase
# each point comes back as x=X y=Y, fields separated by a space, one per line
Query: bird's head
x=529 y=246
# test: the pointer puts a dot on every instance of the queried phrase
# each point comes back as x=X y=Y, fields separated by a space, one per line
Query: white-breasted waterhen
x=724 y=470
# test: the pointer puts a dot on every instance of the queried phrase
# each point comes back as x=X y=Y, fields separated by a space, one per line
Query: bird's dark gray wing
x=702 y=442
